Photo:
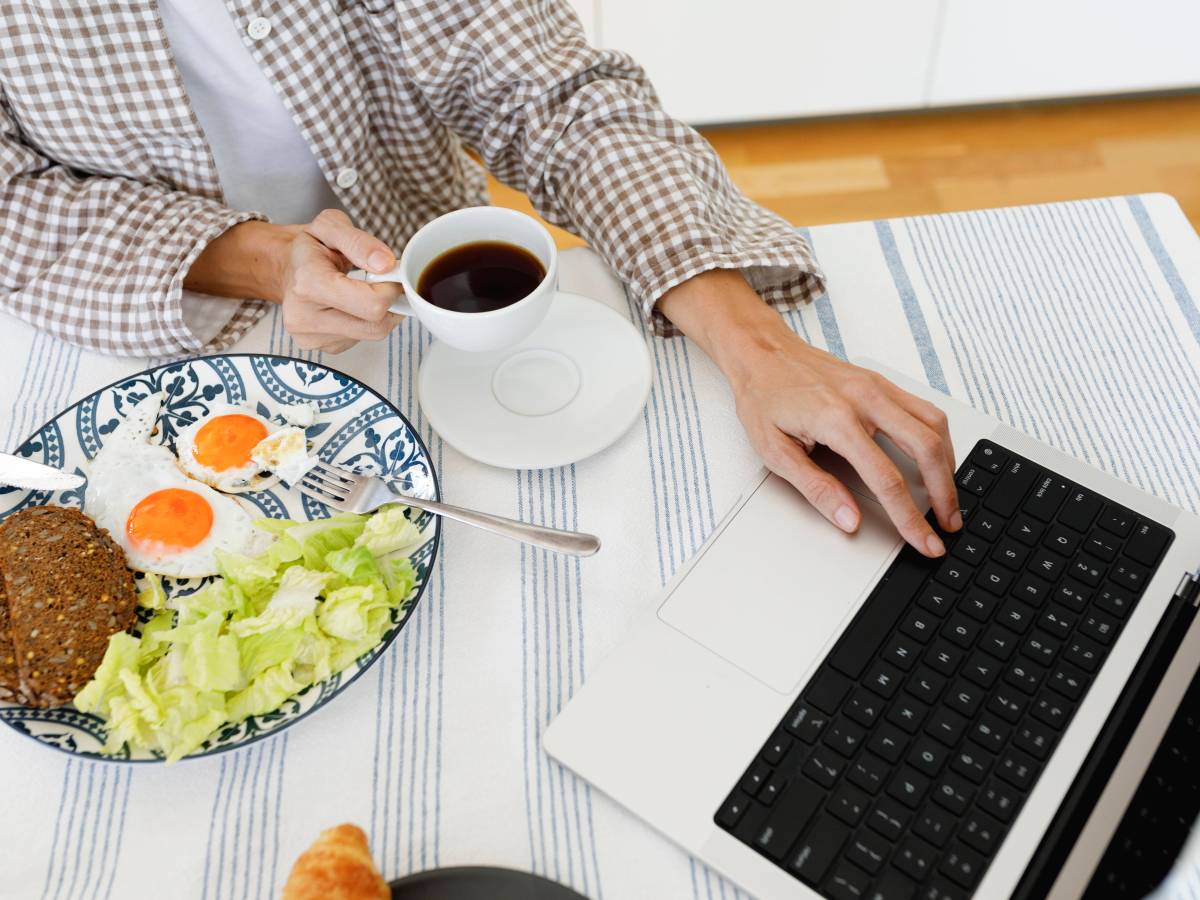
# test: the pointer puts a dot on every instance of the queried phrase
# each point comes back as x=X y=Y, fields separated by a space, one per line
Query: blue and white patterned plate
x=356 y=428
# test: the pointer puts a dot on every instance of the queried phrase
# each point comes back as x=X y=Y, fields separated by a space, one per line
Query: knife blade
x=25 y=473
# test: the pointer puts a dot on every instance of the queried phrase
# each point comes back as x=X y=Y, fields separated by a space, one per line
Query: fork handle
x=573 y=543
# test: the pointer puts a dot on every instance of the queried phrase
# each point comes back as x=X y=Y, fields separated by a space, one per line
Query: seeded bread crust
x=10 y=680
x=68 y=590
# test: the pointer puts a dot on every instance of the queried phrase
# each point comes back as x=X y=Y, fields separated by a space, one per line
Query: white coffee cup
x=473 y=331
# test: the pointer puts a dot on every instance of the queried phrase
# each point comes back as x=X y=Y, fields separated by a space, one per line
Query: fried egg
x=285 y=453
x=216 y=449
x=164 y=521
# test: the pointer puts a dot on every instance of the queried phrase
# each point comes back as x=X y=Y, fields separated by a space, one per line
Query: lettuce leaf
x=388 y=530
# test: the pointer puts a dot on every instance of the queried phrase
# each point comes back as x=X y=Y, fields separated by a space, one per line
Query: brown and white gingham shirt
x=108 y=189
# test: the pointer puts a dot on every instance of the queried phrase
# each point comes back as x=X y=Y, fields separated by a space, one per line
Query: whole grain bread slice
x=10 y=679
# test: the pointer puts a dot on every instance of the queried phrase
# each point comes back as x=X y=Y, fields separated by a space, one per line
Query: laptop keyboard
x=899 y=769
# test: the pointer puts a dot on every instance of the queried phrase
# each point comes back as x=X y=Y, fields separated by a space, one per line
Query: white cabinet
x=741 y=60
x=1033 y=49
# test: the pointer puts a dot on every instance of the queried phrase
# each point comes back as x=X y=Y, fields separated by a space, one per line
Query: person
x=161 y=163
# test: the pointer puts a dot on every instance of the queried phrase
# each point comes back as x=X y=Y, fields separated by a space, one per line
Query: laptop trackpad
x=774 y=590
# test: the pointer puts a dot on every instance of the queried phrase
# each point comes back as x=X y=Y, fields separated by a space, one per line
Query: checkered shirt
x=109 y=192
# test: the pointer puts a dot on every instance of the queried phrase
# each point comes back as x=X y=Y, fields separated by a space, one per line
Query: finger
x=889 y=488
x=343 y=325
x=333 y=228
x=930 y=415
x=326 y=343
x=339 y=346
x=329 y=287
x=827 y=495
x=926 y=447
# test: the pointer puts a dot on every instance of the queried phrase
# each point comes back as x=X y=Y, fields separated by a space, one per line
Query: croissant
x=338 y=866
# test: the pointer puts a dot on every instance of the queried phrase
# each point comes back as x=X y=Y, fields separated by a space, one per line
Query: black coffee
x=481 y=277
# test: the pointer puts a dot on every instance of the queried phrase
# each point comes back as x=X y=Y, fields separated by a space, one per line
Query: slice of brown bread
x=9 y=678
x=68 y=590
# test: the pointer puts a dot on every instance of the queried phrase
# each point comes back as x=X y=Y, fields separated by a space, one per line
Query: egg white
x=128 y=468
x=237 y=480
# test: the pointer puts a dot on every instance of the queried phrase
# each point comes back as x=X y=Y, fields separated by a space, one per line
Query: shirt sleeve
x=581 y=131
x=100 y=261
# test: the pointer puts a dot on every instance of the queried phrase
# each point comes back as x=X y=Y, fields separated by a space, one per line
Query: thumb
x=333 y=228
x=827 y=495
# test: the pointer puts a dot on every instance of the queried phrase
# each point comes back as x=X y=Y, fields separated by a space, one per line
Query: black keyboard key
x=999 y=642
x=926 y=685
x=1057 y=622
x=1062 y=540
x=1011 y=487
x=1127 y=575
x=777 y=748
x=849 y=804
x=944 y=657
x=1080 y=509
x=1047 y=564
x=893 y=886
x=729 y=814
x=1008 y=703
x=1073 y=595
x=1052 y=709
x=1147 y=543
x=1117 y=519
x=965 y=698
x=954 y=573
x=848 y=882
x=902 y=652
x=915 y=858
x=982 y=669
x=1017 y=769
x=939 y=888
x=845 y=737
x=954 y=793
x=972 y=762
x=989 y=457
x=982 y=833
x=1068 y=681
x=909 y=787
x=868 y=851
x=818 y=849
x=791 y=814
x=907 y=713
x=986 y=524
x=1016 y=616
x=970 y=549
x=1102 y=546
x=1047 y=496
x=947 y=726
x=1087 y=569
x=1000 y=800
x=1010 y=554
x=935 y=825
x=1114 y=600
x=805 y=722
x=827 y=691
x=1084 y=653
x=961 y=631
x=755 y=778
x=888 y=742
x=1024 y=675
x=993 y=577
x=936 y=599
x=1041 y=648
x=883 y=679
x=889 y=818
x=920 y=625
x=1032 y=589
x=772 y=789
x=975 y=480
x=864 y=708
x=928 y=756
x=1099 y=627
x=1027 y=530
x=962 y=865
x=857 y=645
x=978 y=605
x=824 y=767
x=990 y=732
x=869 y=772
x=1034 y=738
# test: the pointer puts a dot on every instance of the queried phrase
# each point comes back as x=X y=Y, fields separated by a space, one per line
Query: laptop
x=814 y=714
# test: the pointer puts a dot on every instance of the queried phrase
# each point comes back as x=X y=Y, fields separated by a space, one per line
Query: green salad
x=269 y=626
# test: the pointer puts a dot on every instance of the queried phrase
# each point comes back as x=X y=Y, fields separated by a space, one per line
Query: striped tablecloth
x=1075 y=322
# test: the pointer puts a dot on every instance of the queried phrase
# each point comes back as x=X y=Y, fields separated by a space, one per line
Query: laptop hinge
x=1085 y=790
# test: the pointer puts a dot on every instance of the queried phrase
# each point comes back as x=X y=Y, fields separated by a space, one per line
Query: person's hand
x=322 y=308
x=792 y=396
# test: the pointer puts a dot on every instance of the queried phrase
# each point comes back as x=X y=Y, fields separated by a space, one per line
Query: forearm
x=247 y=261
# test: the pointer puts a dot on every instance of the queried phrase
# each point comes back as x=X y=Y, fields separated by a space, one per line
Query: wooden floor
x=900 y=165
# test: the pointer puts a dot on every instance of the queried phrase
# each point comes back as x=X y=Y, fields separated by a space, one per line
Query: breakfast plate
x=354 y=428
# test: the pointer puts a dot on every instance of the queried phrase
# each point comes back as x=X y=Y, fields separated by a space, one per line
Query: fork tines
x=329 y=482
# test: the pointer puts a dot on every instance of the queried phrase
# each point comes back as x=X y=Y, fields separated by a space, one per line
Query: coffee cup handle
x=401 y=307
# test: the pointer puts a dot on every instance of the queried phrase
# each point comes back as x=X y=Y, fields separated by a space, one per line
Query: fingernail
x=934 y=544
x=380 y=261
x=956 y=521
x=845 y=519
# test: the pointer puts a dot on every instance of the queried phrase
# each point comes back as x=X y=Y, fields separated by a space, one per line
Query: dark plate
x=479 y=883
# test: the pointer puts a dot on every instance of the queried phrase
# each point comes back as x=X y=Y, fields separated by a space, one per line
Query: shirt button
x=347 y=178
x=259 y=28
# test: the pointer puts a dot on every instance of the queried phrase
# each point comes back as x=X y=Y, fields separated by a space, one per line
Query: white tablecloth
x=1076 y=322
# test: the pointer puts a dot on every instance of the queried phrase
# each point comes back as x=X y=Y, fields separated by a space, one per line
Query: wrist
x=247 y=261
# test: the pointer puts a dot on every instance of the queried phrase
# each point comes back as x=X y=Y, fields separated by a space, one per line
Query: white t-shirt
x=262 y=159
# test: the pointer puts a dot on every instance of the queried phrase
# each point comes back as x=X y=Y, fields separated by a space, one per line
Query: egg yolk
x=172 y=517
x=226 y=441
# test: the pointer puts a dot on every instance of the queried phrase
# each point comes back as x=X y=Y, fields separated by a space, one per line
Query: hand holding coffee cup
x=479 y=279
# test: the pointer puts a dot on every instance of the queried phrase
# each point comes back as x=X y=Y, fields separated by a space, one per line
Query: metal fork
x=349 y=492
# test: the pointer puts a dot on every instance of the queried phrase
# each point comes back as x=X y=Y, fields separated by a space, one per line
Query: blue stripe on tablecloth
x=1183 y=298
x=823 y=306
x=912 y=308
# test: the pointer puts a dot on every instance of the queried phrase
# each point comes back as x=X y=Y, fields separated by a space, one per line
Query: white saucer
x=565 y=392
